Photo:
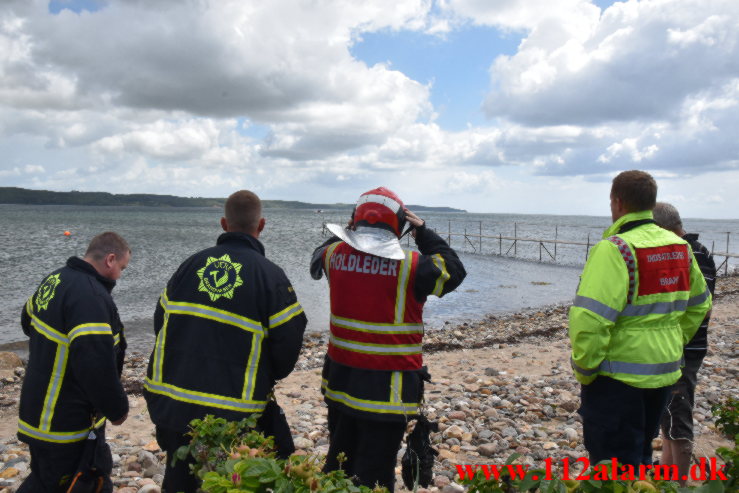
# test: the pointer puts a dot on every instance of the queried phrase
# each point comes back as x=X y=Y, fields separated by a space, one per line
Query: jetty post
x=480 y=236
x=726 y=267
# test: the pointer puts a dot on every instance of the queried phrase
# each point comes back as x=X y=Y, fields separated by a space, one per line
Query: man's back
x=218 y=310
x=644 y=276
x=75 y=350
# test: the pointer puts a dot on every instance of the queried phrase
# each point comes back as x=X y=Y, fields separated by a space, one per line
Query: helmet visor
x=375 y=241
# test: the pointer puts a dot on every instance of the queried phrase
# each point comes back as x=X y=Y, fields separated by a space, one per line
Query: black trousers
x=620 y=420
x=53 y=465
x=371 y=448
x=178 y=477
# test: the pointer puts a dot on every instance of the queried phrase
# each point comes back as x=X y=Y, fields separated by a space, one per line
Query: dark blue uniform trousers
x=620 y=420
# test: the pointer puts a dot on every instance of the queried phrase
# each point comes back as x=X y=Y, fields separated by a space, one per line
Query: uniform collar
x=242 y=238
x=81 y=265
x=627 y=218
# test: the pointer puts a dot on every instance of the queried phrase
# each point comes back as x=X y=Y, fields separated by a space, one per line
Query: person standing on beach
x=373 y=372
x=641 y=298
x=228 y=326
x=75 y=358
x=677 y=420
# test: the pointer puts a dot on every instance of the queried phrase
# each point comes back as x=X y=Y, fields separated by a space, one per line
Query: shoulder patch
x=46 y=291
x=219 y=277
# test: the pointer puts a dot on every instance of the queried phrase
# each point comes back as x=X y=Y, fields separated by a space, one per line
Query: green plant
x=231 y=457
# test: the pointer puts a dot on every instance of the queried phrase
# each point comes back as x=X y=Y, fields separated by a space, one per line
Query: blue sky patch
x=456 y=65
x=77 y=6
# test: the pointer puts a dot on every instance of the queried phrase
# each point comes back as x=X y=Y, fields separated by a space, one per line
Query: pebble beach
x=500 y=385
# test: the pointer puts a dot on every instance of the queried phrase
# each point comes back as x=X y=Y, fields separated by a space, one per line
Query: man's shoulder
x=244 y=259
x=696 y=245
x=79 y=282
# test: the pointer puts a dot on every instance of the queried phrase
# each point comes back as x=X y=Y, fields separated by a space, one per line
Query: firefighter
x=75 y=358
x=641 y=298
x=228 y=326
x=373 y=372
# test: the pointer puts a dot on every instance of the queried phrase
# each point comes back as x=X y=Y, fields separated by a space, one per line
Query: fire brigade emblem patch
x=46 y=292
x=219 y=277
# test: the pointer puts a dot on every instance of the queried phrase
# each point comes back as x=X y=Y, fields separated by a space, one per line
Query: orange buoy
x=67 y=233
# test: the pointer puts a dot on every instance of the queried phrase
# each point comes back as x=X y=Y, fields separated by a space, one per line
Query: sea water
x=33 y=244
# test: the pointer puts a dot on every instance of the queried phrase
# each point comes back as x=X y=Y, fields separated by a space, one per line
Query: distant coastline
x=25 y=196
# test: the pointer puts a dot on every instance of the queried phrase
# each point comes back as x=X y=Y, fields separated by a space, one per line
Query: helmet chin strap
x=410 y=228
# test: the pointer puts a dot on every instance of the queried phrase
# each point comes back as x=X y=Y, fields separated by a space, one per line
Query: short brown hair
x=636 y=189
x=106 y=243
x=243 y=211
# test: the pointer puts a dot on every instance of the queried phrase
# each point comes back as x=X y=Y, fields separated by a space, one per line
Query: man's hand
x=415 y=221
x=120 y=421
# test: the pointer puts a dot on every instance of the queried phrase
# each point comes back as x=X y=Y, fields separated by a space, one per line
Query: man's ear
x=224 y=224
x=262 y=222
x=109 y=259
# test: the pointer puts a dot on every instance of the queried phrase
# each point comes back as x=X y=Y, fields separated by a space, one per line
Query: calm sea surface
x=32 y=245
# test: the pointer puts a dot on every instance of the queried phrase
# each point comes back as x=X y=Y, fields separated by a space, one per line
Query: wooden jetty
x=507 y=246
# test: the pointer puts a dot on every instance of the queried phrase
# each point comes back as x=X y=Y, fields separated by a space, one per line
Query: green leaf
x=529 y=482
x=182 y=452
x=229 y=465
x=714 y=486
x=511 y=458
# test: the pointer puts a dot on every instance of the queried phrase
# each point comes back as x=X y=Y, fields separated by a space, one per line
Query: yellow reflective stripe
x=375 y=327
x=405 y=269
x=285 y=315
x=329 y=252
x=203 y=399
x=371 y=348
x=250 y=377
x=367 y=405
x=204 y=311
x=99 y=422
x=116 y=339
x=89 y=329
x=161 y=338
x=55 y=385
x=52 y=436
x=29 y=306
x=396 y=387
x=440 y=264
x=48 y=332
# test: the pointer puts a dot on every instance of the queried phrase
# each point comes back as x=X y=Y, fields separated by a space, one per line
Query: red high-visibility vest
x=376 y=321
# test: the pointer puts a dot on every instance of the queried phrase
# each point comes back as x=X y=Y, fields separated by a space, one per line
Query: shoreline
x=500 y=385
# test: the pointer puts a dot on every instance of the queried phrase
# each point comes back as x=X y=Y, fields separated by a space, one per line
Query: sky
x=506 y=106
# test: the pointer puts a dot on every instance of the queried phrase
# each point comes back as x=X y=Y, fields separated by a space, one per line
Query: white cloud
x=639 y=60
x=197 y=98
x=33 y=169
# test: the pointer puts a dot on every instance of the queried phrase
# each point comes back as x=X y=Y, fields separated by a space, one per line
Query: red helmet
x=380 y=208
